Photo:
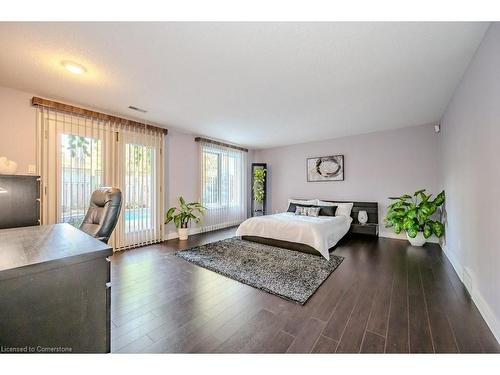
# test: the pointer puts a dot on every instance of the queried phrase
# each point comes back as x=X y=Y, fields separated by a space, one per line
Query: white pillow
x=343 y=209
x=310 y=202
x=327 y=204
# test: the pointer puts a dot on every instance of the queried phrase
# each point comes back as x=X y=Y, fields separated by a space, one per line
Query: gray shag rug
x=289 y=274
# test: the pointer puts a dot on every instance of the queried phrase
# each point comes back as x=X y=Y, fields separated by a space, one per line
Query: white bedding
x=321 y=233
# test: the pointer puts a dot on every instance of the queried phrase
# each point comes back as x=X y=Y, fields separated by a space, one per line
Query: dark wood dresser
x=54 y=291
x=19 y=201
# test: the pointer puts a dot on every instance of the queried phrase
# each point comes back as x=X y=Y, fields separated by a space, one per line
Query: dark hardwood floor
x=385 y=297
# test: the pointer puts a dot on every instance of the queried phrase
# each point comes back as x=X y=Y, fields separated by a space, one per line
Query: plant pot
x=183 y=233
x=419 y=239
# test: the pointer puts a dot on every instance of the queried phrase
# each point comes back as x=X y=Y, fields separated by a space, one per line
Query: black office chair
x=103 y=213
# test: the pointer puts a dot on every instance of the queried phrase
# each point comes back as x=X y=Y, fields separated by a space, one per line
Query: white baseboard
x=454 y=262
x=487 y=313
x=402 y=236
x=197 y=230
x=481 y=304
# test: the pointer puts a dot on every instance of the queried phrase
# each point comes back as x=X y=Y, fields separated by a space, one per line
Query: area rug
x=289 y=274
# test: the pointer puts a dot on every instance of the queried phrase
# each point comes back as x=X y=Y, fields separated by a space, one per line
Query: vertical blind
x=223 y=185
x=78 y=153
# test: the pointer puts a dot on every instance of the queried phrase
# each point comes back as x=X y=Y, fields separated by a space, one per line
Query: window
x=222 y=179
x=223 y=185
x=211 y=188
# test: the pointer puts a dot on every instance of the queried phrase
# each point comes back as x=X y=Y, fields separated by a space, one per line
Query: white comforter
x=321 y=233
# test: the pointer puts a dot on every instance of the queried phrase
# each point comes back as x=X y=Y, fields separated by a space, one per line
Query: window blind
x=78 y=153
x=223 y=180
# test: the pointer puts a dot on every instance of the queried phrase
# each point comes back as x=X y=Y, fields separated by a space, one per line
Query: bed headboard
x=370 y=207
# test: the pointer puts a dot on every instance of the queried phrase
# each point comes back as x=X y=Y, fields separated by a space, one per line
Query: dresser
x=19 y=201
x=54 y=291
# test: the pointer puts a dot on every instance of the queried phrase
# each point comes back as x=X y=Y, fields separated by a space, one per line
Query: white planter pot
x=183 y=233
x=419 y=239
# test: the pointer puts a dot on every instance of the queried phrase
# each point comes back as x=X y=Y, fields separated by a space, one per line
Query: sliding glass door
x=138 y=176
x=78 y=155
x=75 y=154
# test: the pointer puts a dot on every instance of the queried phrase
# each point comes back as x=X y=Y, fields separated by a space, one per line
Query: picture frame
x=325 y=168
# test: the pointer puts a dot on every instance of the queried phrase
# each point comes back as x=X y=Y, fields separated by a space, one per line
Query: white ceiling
x=254 y=84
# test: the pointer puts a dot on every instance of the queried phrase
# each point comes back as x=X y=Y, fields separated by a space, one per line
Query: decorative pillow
x=343 y=209
x=324 y=210
x=307 y=211
x=292 y=207
x=313 y=211
x=327 y=210
x=301 y=210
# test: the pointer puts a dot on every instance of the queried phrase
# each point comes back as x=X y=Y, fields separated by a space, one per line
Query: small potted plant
x=182 y=216
x=413 y=215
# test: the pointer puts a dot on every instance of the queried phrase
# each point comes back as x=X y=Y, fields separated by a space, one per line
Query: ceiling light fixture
x=73 y=67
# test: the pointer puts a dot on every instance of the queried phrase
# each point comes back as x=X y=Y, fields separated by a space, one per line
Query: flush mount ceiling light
x=73 y=67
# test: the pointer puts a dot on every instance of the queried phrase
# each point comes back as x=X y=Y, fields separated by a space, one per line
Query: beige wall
x=470 y=144
x=181 y=171
x=17 y=128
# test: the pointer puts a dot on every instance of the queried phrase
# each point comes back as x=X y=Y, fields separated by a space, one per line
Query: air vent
x=137 y=109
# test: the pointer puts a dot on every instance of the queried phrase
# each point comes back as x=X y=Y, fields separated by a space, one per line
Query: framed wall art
x=325 y=168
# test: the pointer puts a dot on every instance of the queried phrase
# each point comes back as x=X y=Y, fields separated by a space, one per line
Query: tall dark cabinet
x=259 y=188
x=19 y=201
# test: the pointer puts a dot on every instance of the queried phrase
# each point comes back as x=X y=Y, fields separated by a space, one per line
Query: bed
x=314 y=235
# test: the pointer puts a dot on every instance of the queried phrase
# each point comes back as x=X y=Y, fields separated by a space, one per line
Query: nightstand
x=369 y=229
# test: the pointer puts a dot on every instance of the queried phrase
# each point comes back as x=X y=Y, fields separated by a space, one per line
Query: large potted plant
x=182 y=216
x=412 y=213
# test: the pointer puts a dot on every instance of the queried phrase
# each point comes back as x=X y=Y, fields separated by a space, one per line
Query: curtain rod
x=40 y=102
x=206 y=140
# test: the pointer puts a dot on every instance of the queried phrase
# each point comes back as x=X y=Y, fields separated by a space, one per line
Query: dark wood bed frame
x=370 y=207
